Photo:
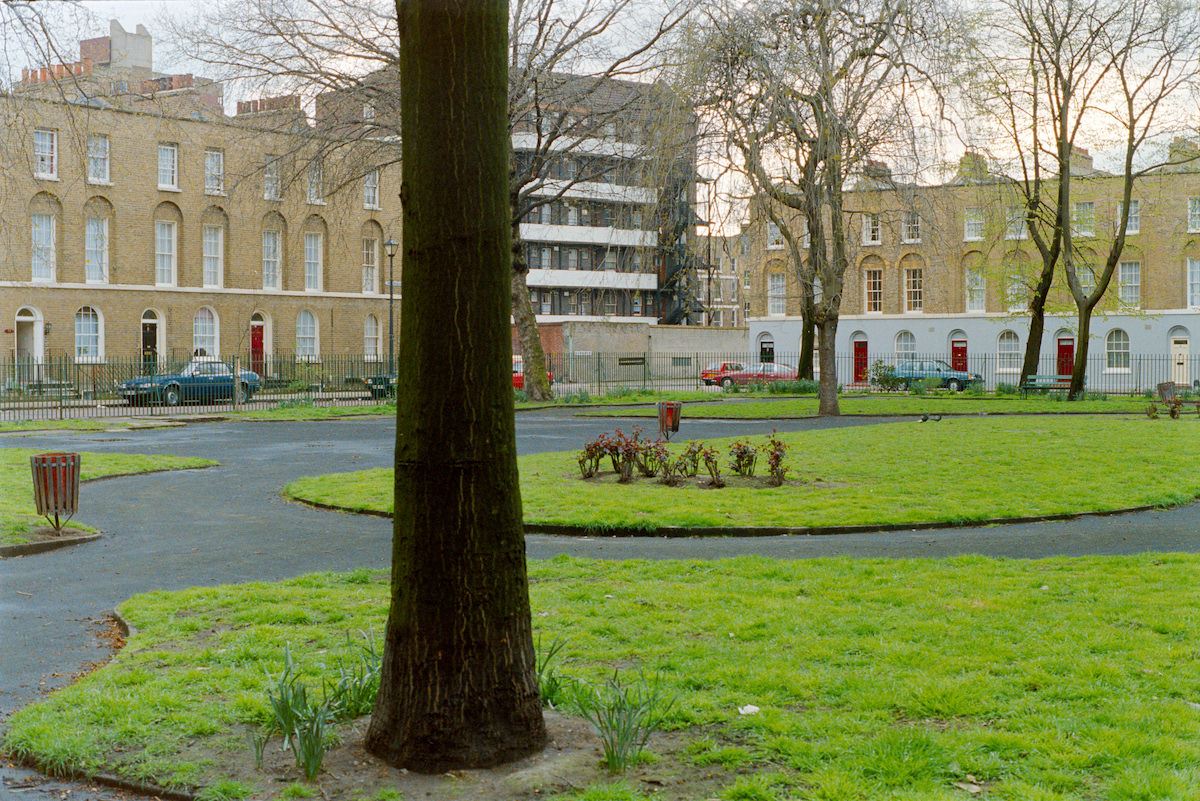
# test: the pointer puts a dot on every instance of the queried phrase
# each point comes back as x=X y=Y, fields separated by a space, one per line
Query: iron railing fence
x=62 y=387
x=1116 y=374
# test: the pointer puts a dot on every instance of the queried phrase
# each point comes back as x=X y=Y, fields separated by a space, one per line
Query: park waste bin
x=56 y=485
x=668 y=417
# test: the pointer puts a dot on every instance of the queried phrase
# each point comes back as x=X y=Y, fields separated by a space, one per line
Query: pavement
x=230 y=524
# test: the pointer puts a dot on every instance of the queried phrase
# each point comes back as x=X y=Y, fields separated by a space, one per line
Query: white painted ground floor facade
x=1127 y=353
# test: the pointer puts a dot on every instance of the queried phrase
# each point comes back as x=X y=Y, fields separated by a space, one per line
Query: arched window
x=205 y=341
x=906 y=345
x=89 y=340
x=307 y=341
x=371 y=338
x=1116 y=346
x=1008 y=352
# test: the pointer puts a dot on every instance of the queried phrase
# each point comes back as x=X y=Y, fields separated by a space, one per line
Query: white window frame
x=974 y=224
x=96 y=336
x=45 y=154
x=776 y=294
x=371 y=190
x=99 y=160
x=372 y=345
x=166 y=253
x=313 y=179
x=914 y=290
x=43 y=256
x=272 y=182
x=95 y=250
x=1129 y=283
x=314 y=261
x=910 y=228
x=370 y=266
x=209 y=339
x=1016 y=294
x=774 y=236
x=873 y=291
x=1193 y=283
x=214 y=172
x=1083 y=218
x=1193 y=215
x=872 y=229
x=1117 y=359
x=1134 y=224
x=1014 y=223
x=272 y=259
x=213 y=250
x=905 y=345
x=308 y=336
x=976 y=286
x=1008 y=352
x=168 y=167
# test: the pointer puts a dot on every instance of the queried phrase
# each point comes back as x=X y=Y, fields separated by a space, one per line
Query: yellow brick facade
x=39 y=311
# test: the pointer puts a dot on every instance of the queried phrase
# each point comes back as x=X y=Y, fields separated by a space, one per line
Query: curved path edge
x=41 y=546
x=565 y=530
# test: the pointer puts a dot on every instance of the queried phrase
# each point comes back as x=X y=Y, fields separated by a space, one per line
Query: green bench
x=1040 y=382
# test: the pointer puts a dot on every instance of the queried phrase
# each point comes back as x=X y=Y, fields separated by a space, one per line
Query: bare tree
x=1044 y=74
x=806 y=94
x=458 y=687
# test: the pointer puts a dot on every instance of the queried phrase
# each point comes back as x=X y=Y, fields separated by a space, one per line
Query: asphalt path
x=229 y=524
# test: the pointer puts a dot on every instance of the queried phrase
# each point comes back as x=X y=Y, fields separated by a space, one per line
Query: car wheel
x=172 y=396
x=243 y=393
x=726 y=383
x=904 y=385
x=954 y=385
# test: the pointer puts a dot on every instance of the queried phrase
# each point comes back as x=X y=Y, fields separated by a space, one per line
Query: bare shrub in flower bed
x=653 y=459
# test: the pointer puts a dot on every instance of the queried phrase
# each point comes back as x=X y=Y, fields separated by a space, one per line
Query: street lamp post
x=390 y=246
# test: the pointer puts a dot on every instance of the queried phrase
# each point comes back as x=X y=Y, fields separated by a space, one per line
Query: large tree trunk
x=1082 y=337
x=808 y=333
x=537 y=384
x=458 y=688
x=1037 y=325
x=827 y=392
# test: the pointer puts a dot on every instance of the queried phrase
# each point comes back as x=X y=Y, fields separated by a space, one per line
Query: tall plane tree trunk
x=808 y=336
x=1082 y=337
x=1037 y=324
x=827 y=391
x=458 y=687
x=537 y=384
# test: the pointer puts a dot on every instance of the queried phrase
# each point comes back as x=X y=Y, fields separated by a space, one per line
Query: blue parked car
x=915 y=370
x=206 y=379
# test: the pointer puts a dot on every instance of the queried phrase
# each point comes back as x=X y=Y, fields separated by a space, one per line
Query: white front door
x=1179 y=362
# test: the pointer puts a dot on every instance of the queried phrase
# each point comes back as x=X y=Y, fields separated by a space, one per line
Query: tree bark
x=1037 y=325
x=827 y=386
x=537 y=384
x=1082 y=336
x=458 y=687
x=808 y=332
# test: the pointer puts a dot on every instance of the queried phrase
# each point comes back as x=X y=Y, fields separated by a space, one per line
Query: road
x=230 y=524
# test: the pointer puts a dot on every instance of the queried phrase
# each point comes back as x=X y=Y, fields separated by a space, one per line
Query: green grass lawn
x=1058 y=680
x=958 y=470
x=17 y=513
x=937 y=403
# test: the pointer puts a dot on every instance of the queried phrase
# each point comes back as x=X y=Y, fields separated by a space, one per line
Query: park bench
x=53 y=388
x=1040 y=382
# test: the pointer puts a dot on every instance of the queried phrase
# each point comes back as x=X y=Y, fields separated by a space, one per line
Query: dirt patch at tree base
x=45 y=538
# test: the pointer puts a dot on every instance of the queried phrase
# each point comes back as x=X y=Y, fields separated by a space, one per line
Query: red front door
x=860 y=362
x=1066 y=356
x=256 y=348
x=958 y=354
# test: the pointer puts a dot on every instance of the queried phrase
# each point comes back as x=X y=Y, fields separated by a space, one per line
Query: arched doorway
x=258 y=339
x=766 y=348
x=958 y=349
x=1178 y=339
x=858 y=341
x=152 y=332
x=1064 y=362
x=30 y=333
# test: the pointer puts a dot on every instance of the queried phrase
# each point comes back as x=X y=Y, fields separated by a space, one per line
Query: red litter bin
x=668 y=418
x=56 y=485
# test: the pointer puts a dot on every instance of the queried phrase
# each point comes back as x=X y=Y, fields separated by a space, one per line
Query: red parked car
x=519 y=373
x=754 y=373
